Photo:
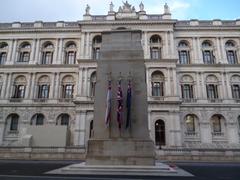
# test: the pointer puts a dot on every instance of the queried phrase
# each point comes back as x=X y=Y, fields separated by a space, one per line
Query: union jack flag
x=120 y=104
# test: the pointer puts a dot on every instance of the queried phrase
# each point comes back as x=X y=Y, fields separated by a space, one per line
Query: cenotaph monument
x=121 y=61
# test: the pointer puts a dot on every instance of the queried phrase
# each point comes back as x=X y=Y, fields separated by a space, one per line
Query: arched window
x=212 y=88
x=207 y=51
x=190 y=124
x=93 y=81
x=63 y=120
x=19 y=87
x=231 y=52
x=91 y=129
x=70 y=53
x=24 y=52
x=187 y=88
x=160 y=137
x=3 y=52
x=37 y=119
x=67 y=87
x=184 y=52
x=155 y=47
x=12 y=123
x=235 y=85
x=96 y=46
x=157 y=79
x=47 y=53
x=43 y=87
x=217 y=123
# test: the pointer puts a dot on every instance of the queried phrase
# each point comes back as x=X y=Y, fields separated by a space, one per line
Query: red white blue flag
x=129 y=101
x=108 y=107
x=120 y=105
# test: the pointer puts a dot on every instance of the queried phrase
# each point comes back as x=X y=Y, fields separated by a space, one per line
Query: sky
x=73 y=10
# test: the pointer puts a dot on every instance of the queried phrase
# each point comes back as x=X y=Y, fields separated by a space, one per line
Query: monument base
x=120 y=152
x=159 y=169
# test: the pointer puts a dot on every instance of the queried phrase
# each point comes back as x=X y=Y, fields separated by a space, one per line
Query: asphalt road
x=32 y=170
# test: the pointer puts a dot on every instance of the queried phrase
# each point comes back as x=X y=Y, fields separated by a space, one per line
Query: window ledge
x=40 y=100
x=16 y=99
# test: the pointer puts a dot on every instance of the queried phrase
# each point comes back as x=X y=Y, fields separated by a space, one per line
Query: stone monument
x=121 y=59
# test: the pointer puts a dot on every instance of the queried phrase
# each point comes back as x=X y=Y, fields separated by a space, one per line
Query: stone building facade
x=48 y=77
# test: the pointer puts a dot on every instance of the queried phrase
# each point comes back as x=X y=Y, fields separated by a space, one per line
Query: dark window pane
x=3 y=57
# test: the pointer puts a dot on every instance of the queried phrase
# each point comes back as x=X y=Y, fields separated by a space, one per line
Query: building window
x=19 y=91
x=19 y=87
x=231 y=52
x=47 y=58
x=63 y=120
x=160 y=136
x=68 y=91
x=216 y=124
x=93 y=81
x=70 y=53
x=67 y=87
x=43 y=91
x=47 y=53
x=14 y=122
x=212 y=91
x=3 y=57
x=97 y=41
x=157 y=79
x=190 y=123
x=24 y=52
x=207 y=51
x=155 y=47
x=37 y=119
x=187 y=91
x=183 y=53
x=236 y=91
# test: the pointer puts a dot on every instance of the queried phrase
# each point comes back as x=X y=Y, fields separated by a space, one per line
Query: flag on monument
x=108 y=107
x=120 y=105
x=129 y=99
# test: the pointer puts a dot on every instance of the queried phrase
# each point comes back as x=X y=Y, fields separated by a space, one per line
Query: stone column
x=177 y=129
x=219 y=52
x=165 y=47
x=205 y=131
x=31 y=96
x=204 y=94
x=52 y=86
x=79 y=82
x=2 y=125
x=37 y=52
x=33 y=49
x=232 y=133
x=14 y=52
x=55 y=54
x=149 y=81
x=168 y=83
x=8 y=90
x=193 y=51
x=10 y=51
x=82 y=46
x=229 y=90
x=85 y=82
x=150 y=125
x=172 y=45
x=198 y=84
x=28 y=87
x=224 y=94
x=87 y=46
x=223 y=51
x=4 y=86
x=200 y=60
x=57 y=87
x=146 y=46
x=175 y=82
x=60 y=52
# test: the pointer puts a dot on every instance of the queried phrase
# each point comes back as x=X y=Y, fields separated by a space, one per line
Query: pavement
x=32 y=170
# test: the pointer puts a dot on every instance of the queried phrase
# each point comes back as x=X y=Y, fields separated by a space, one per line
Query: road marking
x=64 y=177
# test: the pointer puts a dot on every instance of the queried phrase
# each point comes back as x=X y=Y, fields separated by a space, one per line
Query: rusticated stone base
x=120 y=152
